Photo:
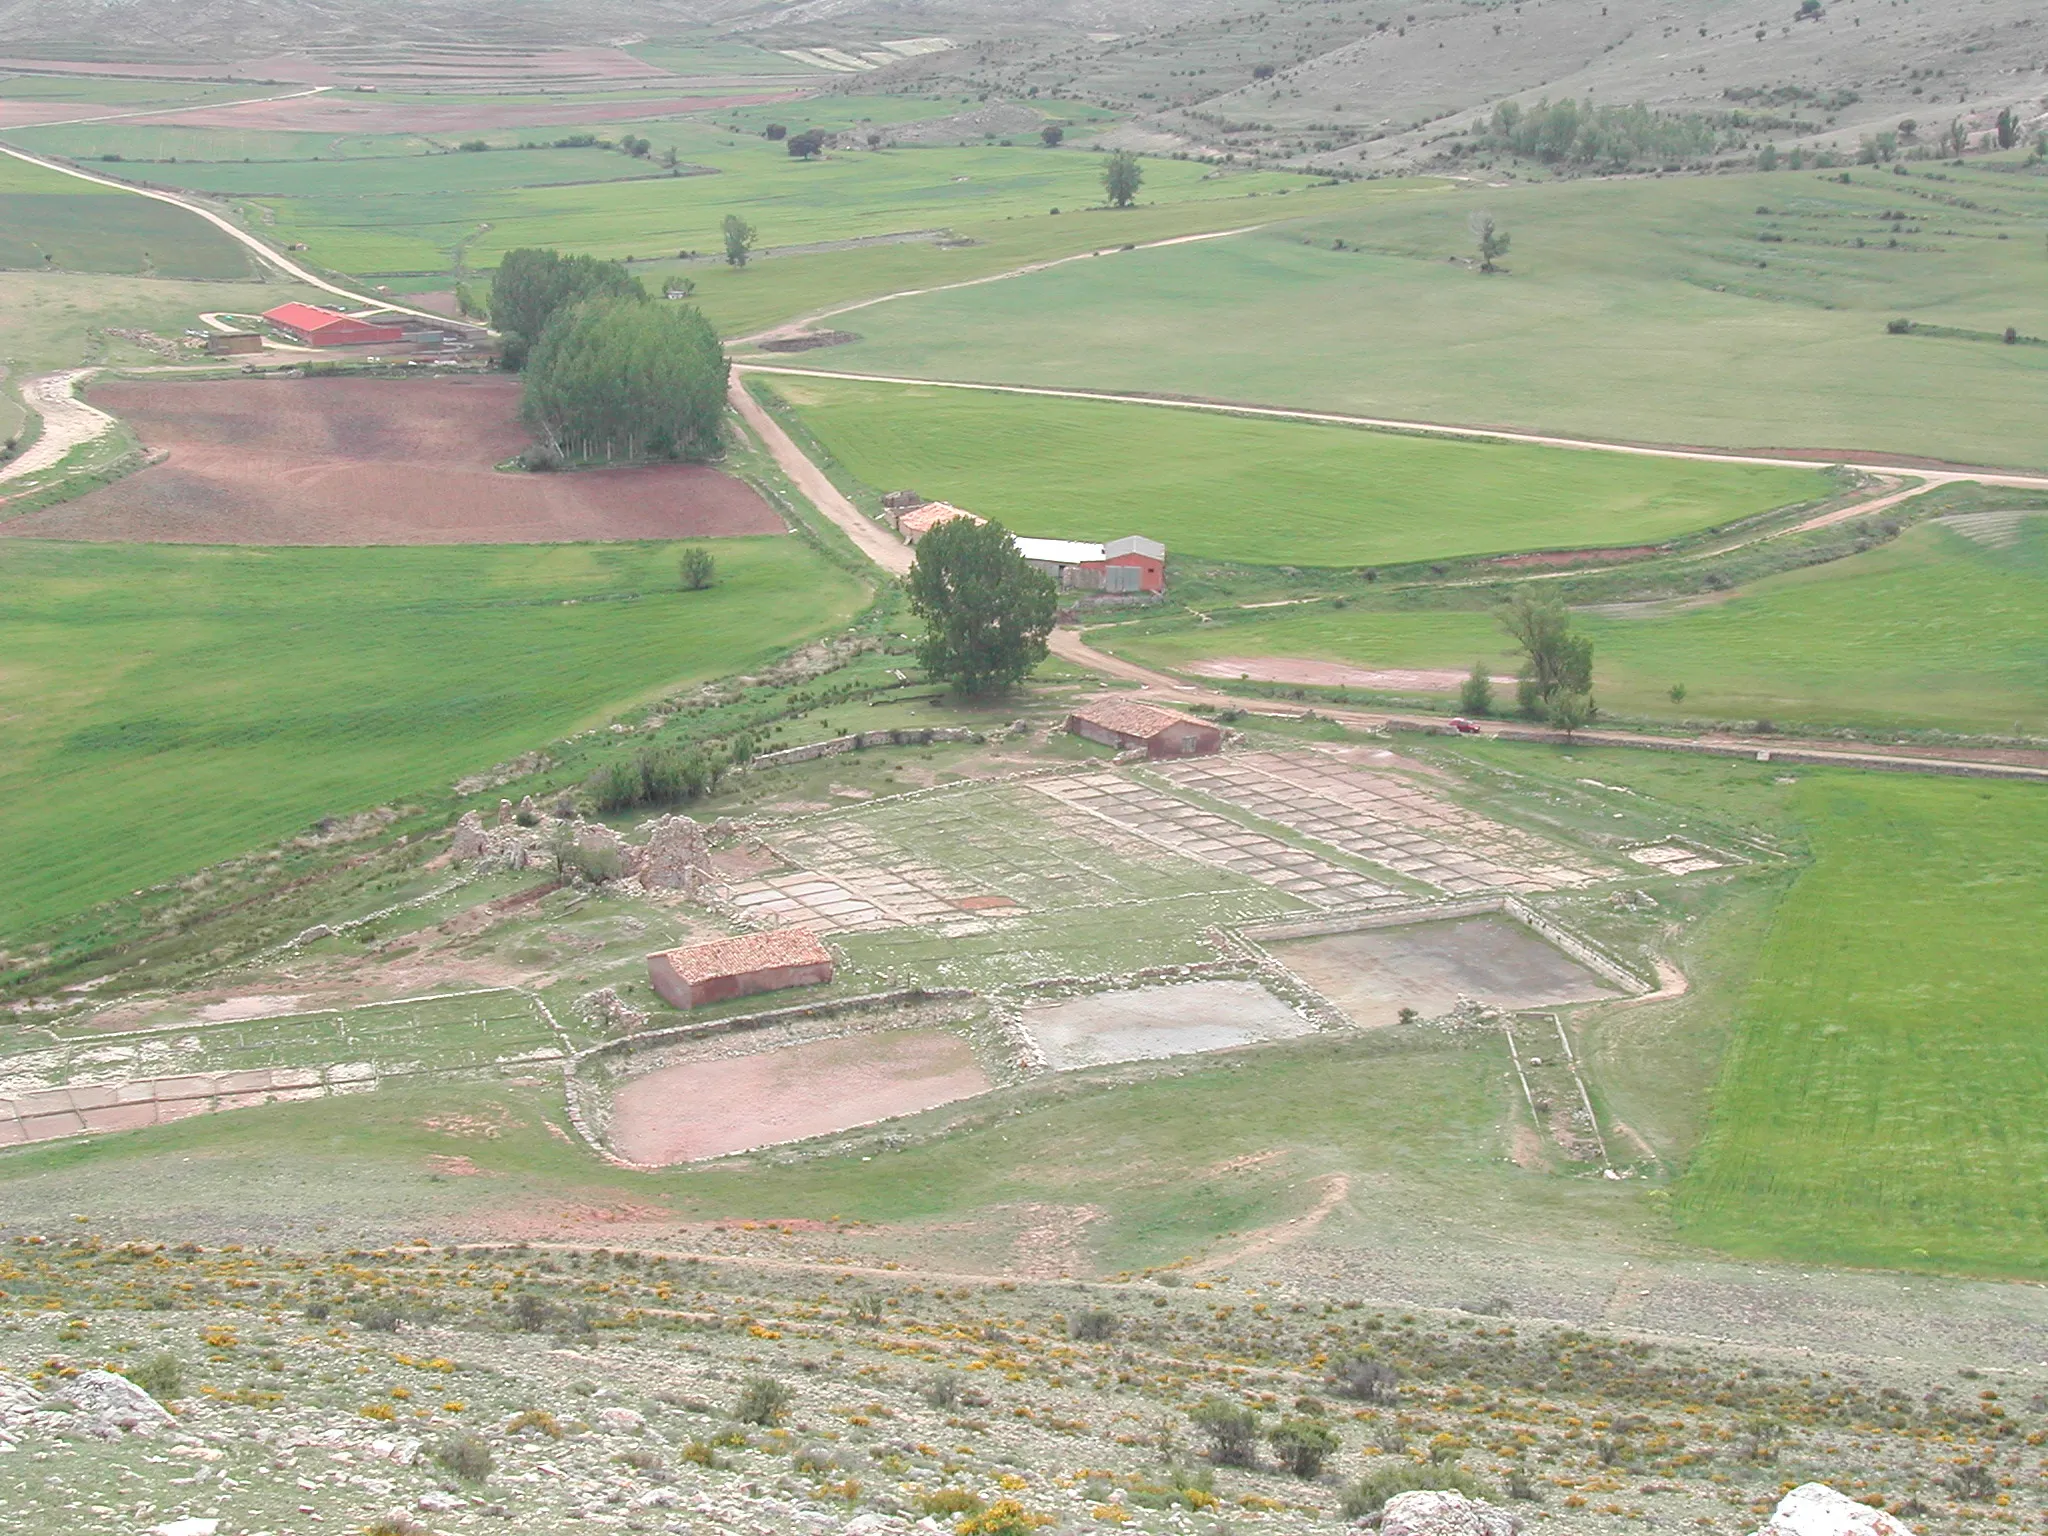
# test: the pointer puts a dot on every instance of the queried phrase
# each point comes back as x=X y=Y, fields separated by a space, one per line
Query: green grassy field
x=54 y=222
x=174 y=705
x=1265 y=492
x=1932 y=630
x=411 y=214
x=1647 y=309
x=1881 y=1101
x=121 y=93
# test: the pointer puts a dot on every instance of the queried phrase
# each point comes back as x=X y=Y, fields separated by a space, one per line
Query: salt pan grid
x=1194 y=833
x=1673 y=859
x=1386 y=821
x=855 y=880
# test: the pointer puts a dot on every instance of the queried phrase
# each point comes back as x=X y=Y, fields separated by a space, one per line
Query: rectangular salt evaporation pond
x=1376 y=972
x=1148 y=1023
x=737 y=1103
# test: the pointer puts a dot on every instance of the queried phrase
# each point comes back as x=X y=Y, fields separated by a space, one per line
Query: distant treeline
x=1569 y=132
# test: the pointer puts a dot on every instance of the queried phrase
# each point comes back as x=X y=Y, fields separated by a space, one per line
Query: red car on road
x=1465 y=727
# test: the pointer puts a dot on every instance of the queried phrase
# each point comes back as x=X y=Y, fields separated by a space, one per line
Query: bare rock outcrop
x=471 y=838
x=107 y=1406
x=677 y=856
x=1815 y=1509
x=1443 y=1513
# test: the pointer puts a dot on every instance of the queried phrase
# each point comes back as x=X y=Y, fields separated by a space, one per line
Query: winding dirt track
x=67 y=422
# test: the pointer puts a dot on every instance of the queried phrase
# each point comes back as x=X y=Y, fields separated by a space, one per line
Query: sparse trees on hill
x=1122 y=177
x=623 y=377
x=986 y=610
x=533 y=284
x=739 y=240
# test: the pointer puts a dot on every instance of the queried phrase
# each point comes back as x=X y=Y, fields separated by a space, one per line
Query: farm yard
x=372 y=461
x=1264 y=492
x=1633 y=309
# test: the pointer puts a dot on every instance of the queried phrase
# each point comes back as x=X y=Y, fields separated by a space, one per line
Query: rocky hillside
x=763 y=1387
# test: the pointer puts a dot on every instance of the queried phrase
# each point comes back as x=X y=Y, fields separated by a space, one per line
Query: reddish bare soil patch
x=709 y=1108
x=1334 y=674
x=372 y=461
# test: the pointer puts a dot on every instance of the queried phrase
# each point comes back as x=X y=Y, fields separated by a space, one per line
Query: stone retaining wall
x=860 y=741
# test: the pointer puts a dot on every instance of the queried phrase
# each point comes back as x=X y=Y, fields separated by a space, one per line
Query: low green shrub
x=1369 y=1495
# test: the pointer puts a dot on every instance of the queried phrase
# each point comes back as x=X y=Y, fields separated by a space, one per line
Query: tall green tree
x=1122 y=177
x=986 y=610
x=739 y=240
x=533 y=284
x=624 y=377
x=1555 y=661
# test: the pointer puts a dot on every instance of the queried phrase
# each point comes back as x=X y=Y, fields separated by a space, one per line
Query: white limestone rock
x=109 y=1406
x=1443 y=1513
x=1815 y=1509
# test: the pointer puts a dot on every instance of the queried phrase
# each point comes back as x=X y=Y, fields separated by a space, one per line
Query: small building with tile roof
x=1129 y=725
x=720 y=969
x=921 y=520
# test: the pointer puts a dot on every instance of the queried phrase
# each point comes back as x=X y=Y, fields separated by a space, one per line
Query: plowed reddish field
x=372 y=461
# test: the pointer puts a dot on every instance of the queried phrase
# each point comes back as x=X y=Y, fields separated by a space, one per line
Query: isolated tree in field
x=670 y=159
x=533 y=284
x=1122 y=177
x=1767 y=158
x=698 y=570
x=1492 y=241
x=1051 y=134
x=2008 y=129
x=805 y=145
x=986 y=610
x=775 y=133
x=739 y=240
x=1554 y=660
x=624 y=377
x=1475 y=694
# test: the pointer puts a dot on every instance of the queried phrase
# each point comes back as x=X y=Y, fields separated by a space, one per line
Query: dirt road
x=1930 y=476
x=67 y=422
x=1162 y=689
x=875 y=541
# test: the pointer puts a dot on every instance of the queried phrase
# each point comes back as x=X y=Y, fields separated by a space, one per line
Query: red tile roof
x=303 y=317
x=1127 y=717
x=770 y=950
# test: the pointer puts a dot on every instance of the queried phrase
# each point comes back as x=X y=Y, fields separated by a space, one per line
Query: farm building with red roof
x=1128 y=725
x=720 y=969
x=313 y=326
